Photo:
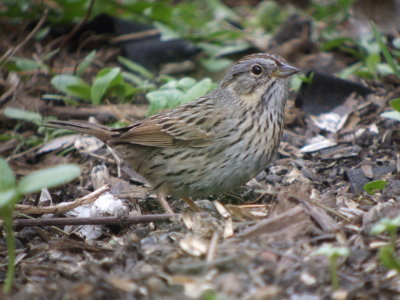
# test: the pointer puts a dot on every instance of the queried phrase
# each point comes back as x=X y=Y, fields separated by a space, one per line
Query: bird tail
x=103 y=133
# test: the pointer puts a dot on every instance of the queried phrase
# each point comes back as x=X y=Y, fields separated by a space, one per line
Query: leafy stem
x=6 y=215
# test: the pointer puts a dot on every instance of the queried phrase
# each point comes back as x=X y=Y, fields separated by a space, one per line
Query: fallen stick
x=123 y=220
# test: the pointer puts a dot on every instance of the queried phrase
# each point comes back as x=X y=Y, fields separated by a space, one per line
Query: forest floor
x=258 y=242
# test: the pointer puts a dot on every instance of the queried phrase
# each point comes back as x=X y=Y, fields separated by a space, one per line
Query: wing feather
x=165 y=131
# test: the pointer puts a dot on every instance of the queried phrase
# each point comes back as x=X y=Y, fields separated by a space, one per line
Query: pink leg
x=163 y=201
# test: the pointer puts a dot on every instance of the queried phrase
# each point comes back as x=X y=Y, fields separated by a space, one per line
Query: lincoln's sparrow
x=210 y=145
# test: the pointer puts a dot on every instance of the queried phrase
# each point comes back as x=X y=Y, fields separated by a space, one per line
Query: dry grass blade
x=276 y=224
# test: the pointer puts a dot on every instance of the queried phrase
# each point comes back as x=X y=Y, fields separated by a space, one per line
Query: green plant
x=388 y=258
x=60 y=11
x=388 y=225
x=25 y=116
x=331 y=12
x=370 y=51
x=333 y=253
x=385 y=51
x=395 y=113
x=19 y=64
x=297 y=80
x=176 y=92
x=31 y=117
x=114 y=82
x=373 y=186
x=107 y=82
x=12 y=191
x=210 y=295
x=387 y=254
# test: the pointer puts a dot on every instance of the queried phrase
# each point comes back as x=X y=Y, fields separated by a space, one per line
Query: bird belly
x=204 y=172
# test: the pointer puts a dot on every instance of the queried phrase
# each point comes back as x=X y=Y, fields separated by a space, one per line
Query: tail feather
x=103 y=133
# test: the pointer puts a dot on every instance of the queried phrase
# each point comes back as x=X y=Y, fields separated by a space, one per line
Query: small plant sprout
x=385 y=51
x=108 y=82
x=374 y=186
x=387 y=254
x=390 y=226
x=388 y=258
x=12 y=191
x=333 y=253
x=395 y=113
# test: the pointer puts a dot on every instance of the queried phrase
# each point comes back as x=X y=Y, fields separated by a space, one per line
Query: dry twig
x=11 y=52
x=64 y=206
x=124 y=220
x=79 y=25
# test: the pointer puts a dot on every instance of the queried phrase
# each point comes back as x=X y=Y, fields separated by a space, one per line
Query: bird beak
x=285 y=70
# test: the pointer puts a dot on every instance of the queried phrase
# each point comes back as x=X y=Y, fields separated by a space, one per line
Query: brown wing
x=164 y=131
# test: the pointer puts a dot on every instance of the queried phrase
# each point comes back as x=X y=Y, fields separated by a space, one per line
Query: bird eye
x=256 y=70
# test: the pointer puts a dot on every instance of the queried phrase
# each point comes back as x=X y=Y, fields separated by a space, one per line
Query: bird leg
x=191 y=204
x=163 y=201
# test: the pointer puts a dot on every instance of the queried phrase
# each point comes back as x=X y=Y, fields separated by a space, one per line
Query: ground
x=258 y=242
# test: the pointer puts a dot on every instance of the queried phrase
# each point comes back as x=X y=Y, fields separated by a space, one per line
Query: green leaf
x=198 y=90
x=134 y=67
x=395 y=103
x=5 y=137
x=26 y=64
x=394 y=115
x=372 y=62
x=6 y=214
x=124 y=90
x=388 y=258
x=7 y=179
x=210 y=48
x=396 y=42
x=171 y=84
x=389 y=58
x=20 y=114
x=162 y=99
x=85 y=63
x=42 y=33
x=374 y=186
x=166 y=98
x=216 y=64
x=133 y=78
x=185 y=83
x=386 y=224
x=209 y=295
x=336 y=42
x=81 y=91
x=295 y=82
x=141 y=85
x=384 y=69
x=167 y=33
x=233 y=48
x=102 y=82
x=48 y=178
x=8 y=197
x=71 y=85
x=330 y=251
x=50 y=54
x=378 y=228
